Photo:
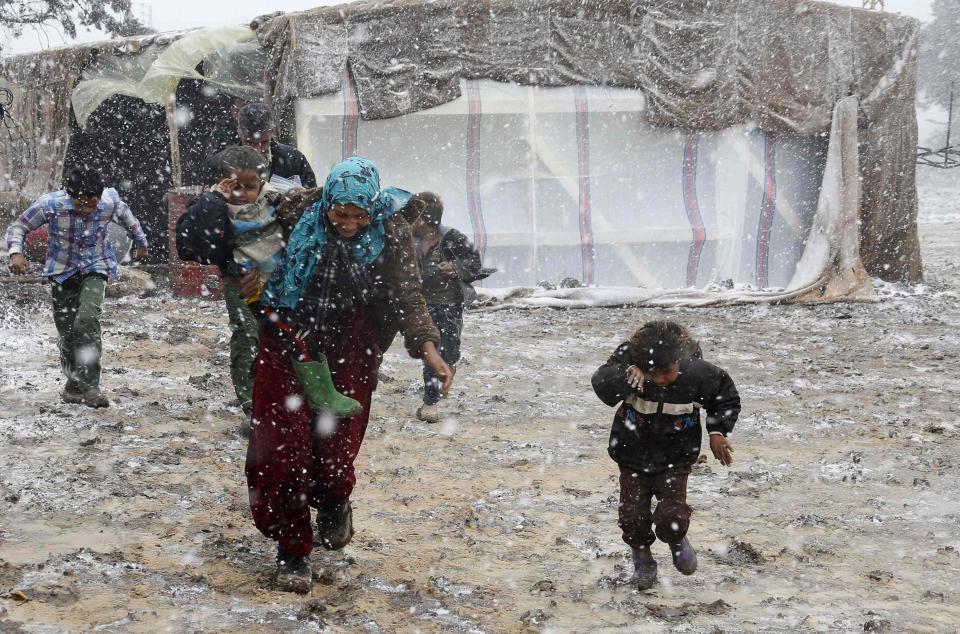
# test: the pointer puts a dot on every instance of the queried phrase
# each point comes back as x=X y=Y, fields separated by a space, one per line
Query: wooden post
x=176 y=168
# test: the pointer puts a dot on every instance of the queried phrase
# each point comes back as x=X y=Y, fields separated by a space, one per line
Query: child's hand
x=249 y=284
x=19 y=264
x=226 y=187
x=635 y=378
x=721 y=448
x=140 y=253
x=446 y=270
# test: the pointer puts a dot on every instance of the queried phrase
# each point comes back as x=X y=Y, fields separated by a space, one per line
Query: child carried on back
x=242 y=224
x=251 y=204
x=661 y=382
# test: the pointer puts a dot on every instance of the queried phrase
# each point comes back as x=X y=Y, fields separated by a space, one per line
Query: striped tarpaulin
x=351 y=117
x=474 y=208
x=768 y=210
x=587 y=253
x=692 y=206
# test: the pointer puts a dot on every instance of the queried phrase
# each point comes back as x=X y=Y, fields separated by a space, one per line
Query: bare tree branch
x=113 y=17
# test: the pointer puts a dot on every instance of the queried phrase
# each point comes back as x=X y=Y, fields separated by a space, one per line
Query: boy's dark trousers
x=77 y=305
x=448 y=319
x=672 y=515
x=244 y=341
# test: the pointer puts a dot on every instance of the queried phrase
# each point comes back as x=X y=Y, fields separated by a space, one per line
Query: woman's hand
x=433 y=360
x=249 y=284
x=295 y=201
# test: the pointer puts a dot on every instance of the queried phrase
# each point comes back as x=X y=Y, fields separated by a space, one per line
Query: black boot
x=293 y=573
x=644 y=568
x=684 y=557
x=334 y=525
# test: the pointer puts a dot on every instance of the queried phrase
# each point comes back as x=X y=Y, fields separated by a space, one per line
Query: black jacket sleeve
x=204 y=232
x=307 y=178
x=460 y=252
x=722 y=402
x=610 y=379
x=288 y=162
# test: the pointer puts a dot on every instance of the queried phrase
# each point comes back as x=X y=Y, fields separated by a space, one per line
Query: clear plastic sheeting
x=153 y=75
x=573 y=182
x=702 y=65
x=829 y=269
x=33 y=151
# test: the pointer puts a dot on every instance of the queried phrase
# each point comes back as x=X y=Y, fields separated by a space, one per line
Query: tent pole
x=946 y=152
x=176 y=169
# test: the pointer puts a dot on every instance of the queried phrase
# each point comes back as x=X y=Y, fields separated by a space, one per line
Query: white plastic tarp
x=153 y=75
x=571 y=182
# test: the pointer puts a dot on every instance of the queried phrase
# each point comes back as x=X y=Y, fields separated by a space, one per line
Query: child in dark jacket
x=661 y=383
x=247 y=203
x=448 y=264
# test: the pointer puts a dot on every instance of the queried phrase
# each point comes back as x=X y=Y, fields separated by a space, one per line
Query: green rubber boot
x=321 y=394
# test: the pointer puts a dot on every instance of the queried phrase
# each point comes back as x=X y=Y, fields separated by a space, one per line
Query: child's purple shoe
x=684 y=557
x=644 y=568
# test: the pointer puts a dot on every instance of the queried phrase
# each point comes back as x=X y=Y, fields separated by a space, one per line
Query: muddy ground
x=841 y=512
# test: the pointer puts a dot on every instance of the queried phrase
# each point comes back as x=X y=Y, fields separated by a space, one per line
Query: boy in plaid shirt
x=79 y=262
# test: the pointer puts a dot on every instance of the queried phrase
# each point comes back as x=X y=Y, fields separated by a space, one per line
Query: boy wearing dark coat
x=449 y=264
x=240 y=187
x=660 y=382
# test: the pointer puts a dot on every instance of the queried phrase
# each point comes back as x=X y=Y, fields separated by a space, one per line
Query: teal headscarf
x=355 y=181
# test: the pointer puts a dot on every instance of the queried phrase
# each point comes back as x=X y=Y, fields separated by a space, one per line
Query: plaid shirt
x=75 y=244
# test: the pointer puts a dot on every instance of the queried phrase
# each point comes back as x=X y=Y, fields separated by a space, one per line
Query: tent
x=761 y=147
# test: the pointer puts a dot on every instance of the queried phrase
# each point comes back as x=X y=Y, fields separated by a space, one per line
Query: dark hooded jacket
x=204 y=232
x=453 y=247
x=657 y=428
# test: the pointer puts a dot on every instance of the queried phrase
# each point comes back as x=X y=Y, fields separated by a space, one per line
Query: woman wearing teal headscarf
x=347 y=283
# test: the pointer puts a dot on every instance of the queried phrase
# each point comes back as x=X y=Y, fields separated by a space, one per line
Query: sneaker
x=684 y=557
x=95 y=398
x=293 y=573
x=71 y=394
x=644 y=568
x=428 y=413
x=334 y=525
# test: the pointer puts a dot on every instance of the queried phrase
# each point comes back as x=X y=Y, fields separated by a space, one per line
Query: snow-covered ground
x=939 y=192
x=839 y=514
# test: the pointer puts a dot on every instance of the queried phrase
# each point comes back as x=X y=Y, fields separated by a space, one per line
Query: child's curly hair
x=657 y=345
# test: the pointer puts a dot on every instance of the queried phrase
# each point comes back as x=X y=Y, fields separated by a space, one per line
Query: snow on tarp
x=34 y=148
x=830 y=268
x=701 y=65
x=154 y=77
x=33 y=151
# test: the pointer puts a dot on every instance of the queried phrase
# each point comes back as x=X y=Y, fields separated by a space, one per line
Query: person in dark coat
x=346 y=284
x=257 y=129
x=449 y=264
x=660 y=382
x=240 y=184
